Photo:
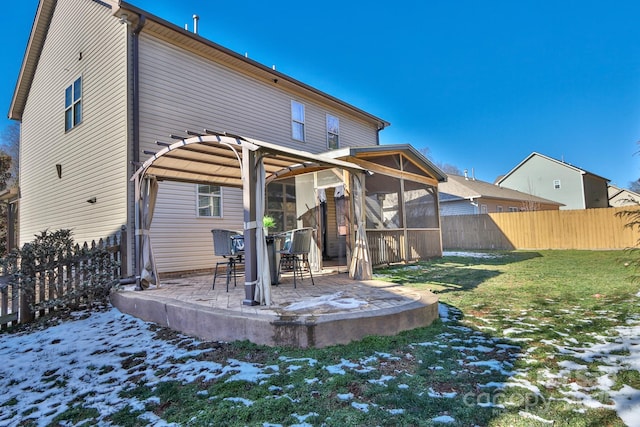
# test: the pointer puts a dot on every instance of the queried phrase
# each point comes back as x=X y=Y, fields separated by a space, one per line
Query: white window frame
x=556 y=184
x=298 y=121
x=513 y=209
x=73 y=106
x=484 y=209
x=211 y=196
x=500 y=208
x=333 y=131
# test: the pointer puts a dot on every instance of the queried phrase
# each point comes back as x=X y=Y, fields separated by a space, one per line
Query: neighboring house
x=556 y=180
x=462 y=195
x=619 y=197
x=103 y=80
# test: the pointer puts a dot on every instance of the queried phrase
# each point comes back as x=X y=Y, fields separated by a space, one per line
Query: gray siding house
x=556 y=180
x=103 y=81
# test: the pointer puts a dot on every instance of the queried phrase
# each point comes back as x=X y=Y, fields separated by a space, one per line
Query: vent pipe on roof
x=195 y=24
x=466 y=175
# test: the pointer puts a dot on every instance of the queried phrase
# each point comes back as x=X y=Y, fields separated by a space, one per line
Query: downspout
x=136 y=138
x=379 y=128
x=136 y=89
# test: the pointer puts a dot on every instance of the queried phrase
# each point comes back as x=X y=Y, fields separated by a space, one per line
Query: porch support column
x=250 y=249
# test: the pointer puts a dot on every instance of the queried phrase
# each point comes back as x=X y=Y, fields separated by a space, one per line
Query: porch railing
x=399 y=245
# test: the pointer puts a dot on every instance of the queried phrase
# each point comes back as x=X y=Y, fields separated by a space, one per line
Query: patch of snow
x=334 y=300
x=530 y=416
x=445 y=419
x=433 y=393
x=443 y=312
x=304 y=417
x=345 y=396
x=245 y=402
x=364 y=407
x=382 y=380
x=339 y=368
x=470 y=254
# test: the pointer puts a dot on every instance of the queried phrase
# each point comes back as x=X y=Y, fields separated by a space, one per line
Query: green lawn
x=526 y=338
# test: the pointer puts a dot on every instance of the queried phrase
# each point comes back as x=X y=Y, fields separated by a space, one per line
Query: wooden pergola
x=222 y=159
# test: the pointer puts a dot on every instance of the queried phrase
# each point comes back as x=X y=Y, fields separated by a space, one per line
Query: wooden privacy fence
x=571 y=229
x=34 y=286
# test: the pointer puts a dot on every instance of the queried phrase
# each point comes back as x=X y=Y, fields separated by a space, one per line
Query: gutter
x=136 y=89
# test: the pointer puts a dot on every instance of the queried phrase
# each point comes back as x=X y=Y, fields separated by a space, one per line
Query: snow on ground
x=470 y=254
x=93 y=359
x=335 y=300
x=46 y=370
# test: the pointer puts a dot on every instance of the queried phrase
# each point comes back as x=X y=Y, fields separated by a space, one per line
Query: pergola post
x=250 y=248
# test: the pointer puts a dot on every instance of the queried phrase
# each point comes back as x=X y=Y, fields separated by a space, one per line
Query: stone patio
x=337 y=310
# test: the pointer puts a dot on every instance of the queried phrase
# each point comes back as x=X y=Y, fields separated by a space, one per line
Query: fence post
x=124 y=260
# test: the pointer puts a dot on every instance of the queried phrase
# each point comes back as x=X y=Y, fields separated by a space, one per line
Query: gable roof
x=366 y=158
x=458 y=187
x=178 y=36
x=622 y=193
x=560 y=162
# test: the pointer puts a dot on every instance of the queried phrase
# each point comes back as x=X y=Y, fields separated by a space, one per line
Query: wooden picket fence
x=592 y=229
x=28 y=292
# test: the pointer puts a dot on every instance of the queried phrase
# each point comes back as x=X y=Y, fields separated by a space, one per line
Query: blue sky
x=481 y=84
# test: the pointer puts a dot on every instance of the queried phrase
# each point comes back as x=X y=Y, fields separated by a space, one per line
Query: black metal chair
x=228 y=244
x=295 y=253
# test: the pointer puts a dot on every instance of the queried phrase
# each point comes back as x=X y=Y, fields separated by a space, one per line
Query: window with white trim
x=484 y=209
x=209 y=201
x=556 y=184
x=73 y=105
x=297 y=121
x=333 y=132
x=513 y=209
x=500 y=209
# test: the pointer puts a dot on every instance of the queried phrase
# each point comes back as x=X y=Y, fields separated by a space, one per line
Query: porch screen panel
x=383 y=202
x=420 y=205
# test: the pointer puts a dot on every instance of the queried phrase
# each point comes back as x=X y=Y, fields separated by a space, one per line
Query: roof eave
x=31 y=57
x=251 y=66
x=406 y=148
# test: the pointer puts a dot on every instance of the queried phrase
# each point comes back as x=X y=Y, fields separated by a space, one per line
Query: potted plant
x=268 y=222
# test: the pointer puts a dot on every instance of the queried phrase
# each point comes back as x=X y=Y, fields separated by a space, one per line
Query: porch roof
x=368 y=157
x=216 y=159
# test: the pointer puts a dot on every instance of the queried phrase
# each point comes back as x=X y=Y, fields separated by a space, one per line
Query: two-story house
x=102 y=81
x=559 y=181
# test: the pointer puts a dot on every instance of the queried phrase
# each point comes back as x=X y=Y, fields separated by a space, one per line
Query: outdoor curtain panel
x=147 y=194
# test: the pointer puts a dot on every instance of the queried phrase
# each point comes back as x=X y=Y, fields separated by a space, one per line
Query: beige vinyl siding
x=93 y=155
x=180 y=90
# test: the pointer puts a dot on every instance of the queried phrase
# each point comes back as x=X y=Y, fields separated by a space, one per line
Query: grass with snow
x=526 y=338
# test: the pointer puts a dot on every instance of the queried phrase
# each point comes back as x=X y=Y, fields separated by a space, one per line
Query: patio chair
x=295 y=253
x=228 y=244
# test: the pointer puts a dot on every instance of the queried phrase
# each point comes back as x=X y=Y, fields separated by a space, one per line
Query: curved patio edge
x=272 y=328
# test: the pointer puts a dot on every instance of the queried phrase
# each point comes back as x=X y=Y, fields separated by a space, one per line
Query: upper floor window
x=209 y=201
x=73 y=105
x=500 y=209
x=297 y=121
x=556 y=184
x=513 y=209
x=333 y=132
